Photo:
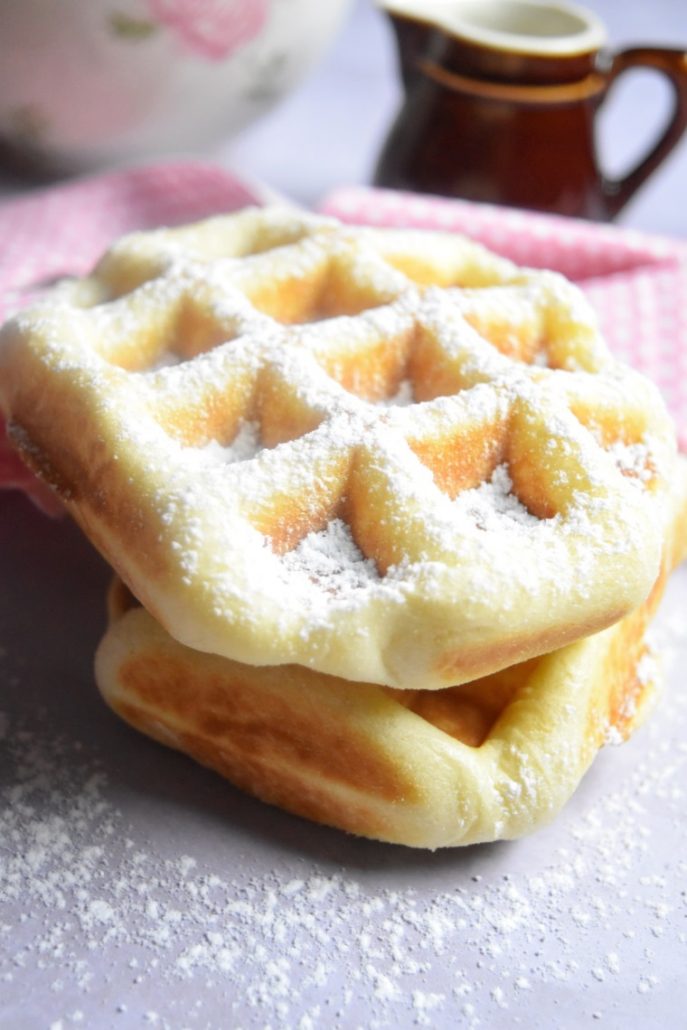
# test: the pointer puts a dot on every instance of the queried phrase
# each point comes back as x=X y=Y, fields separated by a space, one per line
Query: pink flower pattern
x=212 y=28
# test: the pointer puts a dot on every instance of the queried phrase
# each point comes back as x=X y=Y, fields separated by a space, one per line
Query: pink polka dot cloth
x=636 y=282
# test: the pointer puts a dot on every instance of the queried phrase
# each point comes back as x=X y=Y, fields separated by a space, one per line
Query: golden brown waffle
x=488 y=760
x=390 y=456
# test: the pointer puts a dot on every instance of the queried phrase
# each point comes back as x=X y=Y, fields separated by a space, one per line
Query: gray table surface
x=137 y=889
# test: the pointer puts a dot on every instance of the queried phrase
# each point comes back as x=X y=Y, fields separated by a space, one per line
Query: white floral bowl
x=84 y=83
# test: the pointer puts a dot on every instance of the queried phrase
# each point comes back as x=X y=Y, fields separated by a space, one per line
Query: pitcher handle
x=672 y=64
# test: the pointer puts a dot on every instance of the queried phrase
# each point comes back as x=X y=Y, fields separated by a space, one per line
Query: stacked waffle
x=391 y=519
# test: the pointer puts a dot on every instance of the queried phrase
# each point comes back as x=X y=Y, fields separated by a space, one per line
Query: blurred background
x=341 y=92
x=331 y=129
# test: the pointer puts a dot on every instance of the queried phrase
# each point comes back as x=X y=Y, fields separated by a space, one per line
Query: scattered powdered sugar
x=331 y=560
x=493 y=506
x=403 y=397
x=648 y=666
x=632 y=460
x=245 y=445
x=114 y=924
x=167 y=359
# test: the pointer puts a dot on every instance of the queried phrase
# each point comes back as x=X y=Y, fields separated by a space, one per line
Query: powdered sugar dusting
x=493 y=506
x=245 y=445
x=633 y=460
x=402 y=397
x=331 y=560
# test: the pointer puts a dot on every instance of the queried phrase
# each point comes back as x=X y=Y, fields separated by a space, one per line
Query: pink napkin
x=63 y=230
x=637 y=282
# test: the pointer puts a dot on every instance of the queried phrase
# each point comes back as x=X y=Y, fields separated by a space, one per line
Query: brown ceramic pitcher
x=500 y=103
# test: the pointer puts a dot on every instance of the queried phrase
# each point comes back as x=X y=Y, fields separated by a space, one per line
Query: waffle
x=389 y=456
x=487 y=760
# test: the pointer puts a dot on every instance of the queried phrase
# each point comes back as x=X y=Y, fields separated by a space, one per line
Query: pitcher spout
x=421 y=34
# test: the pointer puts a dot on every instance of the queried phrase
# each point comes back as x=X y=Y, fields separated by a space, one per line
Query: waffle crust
x=391 y=457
